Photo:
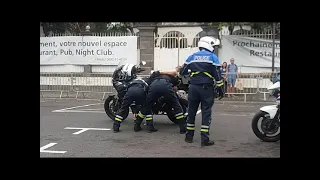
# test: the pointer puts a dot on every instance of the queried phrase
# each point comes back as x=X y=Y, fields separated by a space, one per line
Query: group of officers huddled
x=203 y=68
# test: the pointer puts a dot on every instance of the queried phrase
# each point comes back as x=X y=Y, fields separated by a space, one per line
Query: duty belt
x=218 y=83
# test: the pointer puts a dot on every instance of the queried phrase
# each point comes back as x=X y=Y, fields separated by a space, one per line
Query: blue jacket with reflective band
x=202 y=61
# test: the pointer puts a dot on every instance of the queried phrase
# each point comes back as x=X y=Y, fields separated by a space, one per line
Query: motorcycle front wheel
x=264 y=136
x=111 y=110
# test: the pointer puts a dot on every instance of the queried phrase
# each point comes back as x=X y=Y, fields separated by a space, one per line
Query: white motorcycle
x=270 y=115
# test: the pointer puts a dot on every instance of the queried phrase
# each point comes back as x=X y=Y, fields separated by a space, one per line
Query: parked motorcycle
x=113 y=103
x=270 y=124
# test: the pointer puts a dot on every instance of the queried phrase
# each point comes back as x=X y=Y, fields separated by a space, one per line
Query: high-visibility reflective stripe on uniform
x=220 y=83
x=179 y=75
x=179 y=116
x=148 y=117
x=190 y=127
x=206 y=73
x=204 y=128
x=141 y=115
x=118 y=118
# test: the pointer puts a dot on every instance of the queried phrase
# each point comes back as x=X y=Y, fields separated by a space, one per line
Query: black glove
x=155 y=74
x=220 y=89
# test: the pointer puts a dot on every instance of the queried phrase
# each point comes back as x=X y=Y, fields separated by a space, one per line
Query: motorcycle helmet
x=208 y=43
x=129 y=71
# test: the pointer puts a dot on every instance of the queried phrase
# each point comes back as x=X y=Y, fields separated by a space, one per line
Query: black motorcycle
x=113 y=103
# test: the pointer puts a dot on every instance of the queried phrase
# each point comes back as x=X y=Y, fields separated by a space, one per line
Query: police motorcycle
x=113 y=103
x=270 y=124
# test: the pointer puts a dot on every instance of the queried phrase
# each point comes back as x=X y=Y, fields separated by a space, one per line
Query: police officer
x=161 y=85
x=203 y=69
x=131 y=89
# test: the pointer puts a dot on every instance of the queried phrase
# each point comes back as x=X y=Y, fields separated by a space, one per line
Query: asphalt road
x=62 y=123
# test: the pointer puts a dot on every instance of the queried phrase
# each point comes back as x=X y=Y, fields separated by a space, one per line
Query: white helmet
x=208 y=43
x=129 y=71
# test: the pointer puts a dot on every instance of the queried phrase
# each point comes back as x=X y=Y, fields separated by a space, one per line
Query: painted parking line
x=76 y=107
x=198 y=112
x=43 y=149
x=78 y=111
x=228 y=114
x=98 y=110
x=86 y=129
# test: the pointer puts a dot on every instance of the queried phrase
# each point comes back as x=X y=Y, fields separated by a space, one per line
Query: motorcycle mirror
x=217 y=43
x=143 y=63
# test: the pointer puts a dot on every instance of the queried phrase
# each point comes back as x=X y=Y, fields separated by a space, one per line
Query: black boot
x=188 y=139
x=116 y=128
x=137 y=127
x=151 y=129
x=207 y=142
x=183 y=129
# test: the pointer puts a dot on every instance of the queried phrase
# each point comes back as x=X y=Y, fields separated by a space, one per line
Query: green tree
x=77 y=27
x=260 y=26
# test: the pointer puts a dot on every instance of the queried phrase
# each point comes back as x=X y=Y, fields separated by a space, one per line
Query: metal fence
x=99 y=85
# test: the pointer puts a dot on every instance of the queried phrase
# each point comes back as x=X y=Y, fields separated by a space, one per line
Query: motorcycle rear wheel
x=170 y=112
x=258 y=133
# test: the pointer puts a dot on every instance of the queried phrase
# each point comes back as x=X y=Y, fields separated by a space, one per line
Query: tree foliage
x=258 y=26
x=78 y=27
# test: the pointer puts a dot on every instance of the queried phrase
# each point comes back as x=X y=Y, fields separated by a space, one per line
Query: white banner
x=255 y=54
x=88 y=50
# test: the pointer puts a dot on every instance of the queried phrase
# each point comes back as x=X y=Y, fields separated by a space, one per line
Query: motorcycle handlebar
x=140 y=70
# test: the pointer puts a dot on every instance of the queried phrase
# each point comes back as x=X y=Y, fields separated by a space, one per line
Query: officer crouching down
x=130 y=88
x=204 y=71
x=161 y=85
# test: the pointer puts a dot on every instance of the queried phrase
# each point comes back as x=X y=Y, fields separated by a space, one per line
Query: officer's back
x=204 y=72
x=200 y=64
x=164 y=78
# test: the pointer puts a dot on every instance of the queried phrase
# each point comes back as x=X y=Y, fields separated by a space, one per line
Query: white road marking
x=198 y=112
x=86 y=129
x=92 y=109
x=77 y=111
x=81 y=111
x=81 y=131
x=46 y=101
x=77 y=107
x=226 y=114
x=42 y=149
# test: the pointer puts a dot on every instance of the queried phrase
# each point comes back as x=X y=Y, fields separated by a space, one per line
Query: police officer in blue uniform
x=130 y=88
x=204 y=70
x=161 y=85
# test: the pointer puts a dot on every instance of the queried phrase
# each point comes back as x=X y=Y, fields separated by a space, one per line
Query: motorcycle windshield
x=121 y=62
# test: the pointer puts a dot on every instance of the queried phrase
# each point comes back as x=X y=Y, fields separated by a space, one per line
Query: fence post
x=258 y=93
x=213 y=31
x=87 y=32
x=72 y=83
x=146 y=32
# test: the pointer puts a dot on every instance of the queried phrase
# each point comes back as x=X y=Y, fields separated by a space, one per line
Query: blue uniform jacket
x=202 y=61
